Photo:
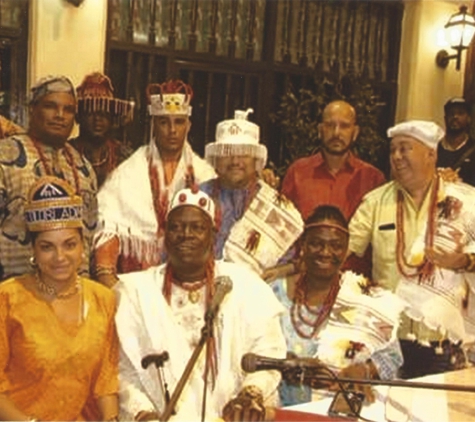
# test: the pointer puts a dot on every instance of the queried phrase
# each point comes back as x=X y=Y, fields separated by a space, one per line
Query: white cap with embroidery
x=237 y=136
x=194 y=198
x=429 y=133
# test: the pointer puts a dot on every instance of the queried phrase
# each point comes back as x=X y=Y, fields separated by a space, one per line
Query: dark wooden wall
x=13 y=59
x=248 y=53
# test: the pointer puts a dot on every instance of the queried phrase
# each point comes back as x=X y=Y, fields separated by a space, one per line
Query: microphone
x=224 y=285
x=315 y=373
x=295 y=370
x=251 y=362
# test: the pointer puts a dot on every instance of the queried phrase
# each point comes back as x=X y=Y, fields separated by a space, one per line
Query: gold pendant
x=194 y=296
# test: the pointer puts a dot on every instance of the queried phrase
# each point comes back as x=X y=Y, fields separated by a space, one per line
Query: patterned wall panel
x=248 y=53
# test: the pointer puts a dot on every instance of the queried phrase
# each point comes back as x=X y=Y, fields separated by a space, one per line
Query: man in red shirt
x=333 y=176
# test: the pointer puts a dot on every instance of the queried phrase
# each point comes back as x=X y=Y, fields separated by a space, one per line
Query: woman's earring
x=33 y=262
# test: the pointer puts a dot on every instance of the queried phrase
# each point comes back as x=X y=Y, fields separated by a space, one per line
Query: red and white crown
x=169 y=98
x=194 y=198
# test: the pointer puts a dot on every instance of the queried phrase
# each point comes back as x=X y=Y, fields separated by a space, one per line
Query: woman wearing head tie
x=58 y=345
x=339 y=317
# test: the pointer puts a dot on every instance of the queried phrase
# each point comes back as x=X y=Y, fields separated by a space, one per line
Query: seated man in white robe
x=163 y=309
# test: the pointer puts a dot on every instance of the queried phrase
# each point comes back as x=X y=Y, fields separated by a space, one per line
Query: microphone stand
x=399 y=383
x=307 y=379
x=206 y=333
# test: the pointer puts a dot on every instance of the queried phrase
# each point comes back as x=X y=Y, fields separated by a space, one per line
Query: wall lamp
x=460 y=30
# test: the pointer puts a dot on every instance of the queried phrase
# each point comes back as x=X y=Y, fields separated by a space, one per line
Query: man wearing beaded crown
x=423 y=242
x=133 y=201
x=99 y=113
x=257 y=225
x=163 y=309
x=43 y=150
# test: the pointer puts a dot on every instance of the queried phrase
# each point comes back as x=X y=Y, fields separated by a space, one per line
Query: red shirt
x=308 y=183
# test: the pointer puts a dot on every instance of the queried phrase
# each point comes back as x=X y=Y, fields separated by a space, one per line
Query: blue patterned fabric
x=290 y=394
x=231 y=204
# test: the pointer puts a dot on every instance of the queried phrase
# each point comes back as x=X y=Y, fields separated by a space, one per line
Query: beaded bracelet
x=470 y=267
x=105 y=271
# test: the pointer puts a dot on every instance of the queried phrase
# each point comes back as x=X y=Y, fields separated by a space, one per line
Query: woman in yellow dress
x=58 y=345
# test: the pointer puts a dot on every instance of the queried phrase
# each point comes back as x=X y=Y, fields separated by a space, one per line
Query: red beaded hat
x=96 y=94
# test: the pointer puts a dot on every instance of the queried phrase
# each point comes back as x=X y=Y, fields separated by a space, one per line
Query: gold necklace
x=51 y=290
x=193 y=289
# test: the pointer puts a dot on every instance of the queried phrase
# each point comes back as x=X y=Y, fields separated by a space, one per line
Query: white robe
x=439 y=305
x=126 y=204
x=248 y=322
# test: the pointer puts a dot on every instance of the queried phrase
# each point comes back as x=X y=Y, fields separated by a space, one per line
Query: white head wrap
x=429 y=133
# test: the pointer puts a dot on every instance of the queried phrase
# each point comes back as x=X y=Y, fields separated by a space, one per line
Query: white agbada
x=126 y=204
x=436 y=306
x=248 y=322
x=439 y=304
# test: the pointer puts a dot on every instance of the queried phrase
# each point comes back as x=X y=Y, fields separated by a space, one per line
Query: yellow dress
x=49 y=370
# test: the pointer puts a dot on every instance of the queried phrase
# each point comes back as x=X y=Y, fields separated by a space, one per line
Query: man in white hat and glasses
x=256 y=224
x=421 y=229
x=163 y=309
x=134 y=200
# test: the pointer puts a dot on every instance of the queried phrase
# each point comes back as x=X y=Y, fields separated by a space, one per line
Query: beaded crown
x=237 y=136
x=52 y=204
x=97 y=94
x=169 y=98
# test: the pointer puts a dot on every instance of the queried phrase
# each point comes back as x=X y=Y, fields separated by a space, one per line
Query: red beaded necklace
x=208 y=281
x=159 y=197
x=69 y=159
x=300 y=301
x=425 y=270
